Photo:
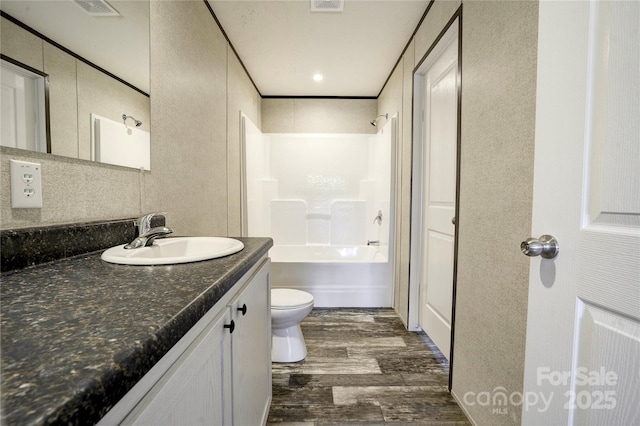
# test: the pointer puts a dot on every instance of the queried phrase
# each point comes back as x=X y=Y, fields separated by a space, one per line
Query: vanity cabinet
x=194 y=390
x=219 y=373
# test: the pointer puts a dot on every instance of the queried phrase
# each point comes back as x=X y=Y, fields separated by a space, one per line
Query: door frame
x=417 y=183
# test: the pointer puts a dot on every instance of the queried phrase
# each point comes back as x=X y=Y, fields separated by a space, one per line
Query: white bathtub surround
x=329 y=254
x=339 y=181
x=347 y=224
x=336 y=276
x=289 y=221
x=317 y=196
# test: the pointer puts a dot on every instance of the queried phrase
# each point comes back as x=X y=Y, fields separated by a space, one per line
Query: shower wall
x=317 y=195
x=318 y=189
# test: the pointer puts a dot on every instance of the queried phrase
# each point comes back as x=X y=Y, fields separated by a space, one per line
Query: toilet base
x=287 y=344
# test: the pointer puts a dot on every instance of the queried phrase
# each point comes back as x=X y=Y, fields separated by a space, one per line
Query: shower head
x=374 y=122
x=125 y=116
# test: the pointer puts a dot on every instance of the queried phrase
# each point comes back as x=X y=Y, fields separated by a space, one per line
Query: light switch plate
x=26 y=185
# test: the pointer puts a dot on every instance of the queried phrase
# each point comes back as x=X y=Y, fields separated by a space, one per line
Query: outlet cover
x=26 y=185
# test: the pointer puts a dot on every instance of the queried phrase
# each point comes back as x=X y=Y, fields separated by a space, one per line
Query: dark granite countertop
x=78 y=333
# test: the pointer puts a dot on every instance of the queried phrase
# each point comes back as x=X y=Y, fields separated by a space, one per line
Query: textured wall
x=498 y=121
x=21 y=45
x=189 y=119
x=72 y=191
x=63 y=101
x=297 y=115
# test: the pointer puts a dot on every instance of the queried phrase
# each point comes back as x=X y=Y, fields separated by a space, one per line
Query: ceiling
x=282 y=43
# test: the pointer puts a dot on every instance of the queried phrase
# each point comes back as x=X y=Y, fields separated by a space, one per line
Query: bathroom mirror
x=95 y=57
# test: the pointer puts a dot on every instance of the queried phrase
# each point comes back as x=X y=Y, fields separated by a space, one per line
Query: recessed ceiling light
x=318 y=77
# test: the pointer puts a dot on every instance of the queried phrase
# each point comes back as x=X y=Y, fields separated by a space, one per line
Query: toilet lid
x=283 y=298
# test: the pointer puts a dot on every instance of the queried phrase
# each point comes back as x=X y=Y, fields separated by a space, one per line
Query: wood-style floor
x=363 y=367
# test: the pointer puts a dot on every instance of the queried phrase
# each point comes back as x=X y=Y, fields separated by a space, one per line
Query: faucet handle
x=378 y=218
x=144 y=223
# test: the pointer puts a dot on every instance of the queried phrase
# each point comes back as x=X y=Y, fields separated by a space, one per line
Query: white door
x=583 y=331
x=23 y=118
x=437 y=172
x=14 y=110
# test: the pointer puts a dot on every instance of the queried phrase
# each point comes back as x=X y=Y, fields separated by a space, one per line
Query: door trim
x=416 y=184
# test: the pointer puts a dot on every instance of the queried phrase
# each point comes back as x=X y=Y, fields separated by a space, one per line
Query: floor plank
x=363 y=368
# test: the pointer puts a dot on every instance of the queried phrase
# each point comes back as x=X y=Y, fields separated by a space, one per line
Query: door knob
x=546 y=246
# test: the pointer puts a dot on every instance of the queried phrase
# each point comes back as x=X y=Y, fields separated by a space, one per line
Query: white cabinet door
x=251 y=351
x=196 y=389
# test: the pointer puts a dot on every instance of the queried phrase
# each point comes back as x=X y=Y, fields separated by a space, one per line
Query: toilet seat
x=286 y=298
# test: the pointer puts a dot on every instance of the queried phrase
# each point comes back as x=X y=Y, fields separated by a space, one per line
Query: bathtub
x=336 y=276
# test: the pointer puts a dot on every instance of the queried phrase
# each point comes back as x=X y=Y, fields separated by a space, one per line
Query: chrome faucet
x=147 y=234
x=378 y=218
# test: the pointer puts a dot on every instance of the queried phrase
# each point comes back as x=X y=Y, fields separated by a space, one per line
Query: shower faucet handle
x=378 y=218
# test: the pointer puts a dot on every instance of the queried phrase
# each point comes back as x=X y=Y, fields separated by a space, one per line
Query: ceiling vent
x=327 y=5
x=97 y=7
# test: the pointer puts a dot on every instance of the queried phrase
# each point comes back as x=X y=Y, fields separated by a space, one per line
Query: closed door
x=22 y=122
x=583 y=331
x=438 y=171
x=14 y=117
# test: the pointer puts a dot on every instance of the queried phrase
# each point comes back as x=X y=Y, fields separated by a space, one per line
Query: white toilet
x=288 y=308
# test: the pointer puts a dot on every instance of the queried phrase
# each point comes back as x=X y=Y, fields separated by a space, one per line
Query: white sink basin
x=169 y=251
